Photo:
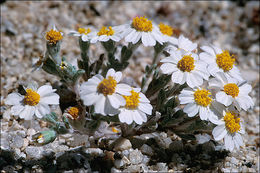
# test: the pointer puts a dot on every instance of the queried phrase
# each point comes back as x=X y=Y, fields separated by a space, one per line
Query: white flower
x=136 y=108
x=220 y=61
x=167 y=33
x=107 y=33
x=105 y=94
x=231 y=91
x=229 y=128
x=200 y=101
x=181 y=43
x=144 y=29
x=86 y=34
x=185 y=67
x=34 y=102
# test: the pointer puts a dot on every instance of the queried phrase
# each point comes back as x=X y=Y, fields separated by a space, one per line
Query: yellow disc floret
x=231 y=89
x=105 y=31
x=232 y=122
x=225 y=61
x=132 y=101
x=53 y=36
x=107 y=86
x=142 y=24
x=166 y=29
x=74 y=112
x=84 y=31
x=186 y=63
x=202 y=97
x=31 y=97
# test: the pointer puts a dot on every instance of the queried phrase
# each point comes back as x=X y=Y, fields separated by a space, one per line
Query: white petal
x=207 y=58
x=118 y=76
x=29 y=113
x=42 y=110
x=169 y=59
x=238 y=140
x=191 y=109
x=168 y=68
x=229 y=143
x=143 y=115
x=109 y=110
x=146 y=108
x=213 y=69
x=87 y=89
x=143 y=98
x=17 y=109
x=245 y=102
x=123 y=89
x=111 y=72
x=137 y=117
x=136 y=37
x=90 y=99
x=13 y=99
x=245 y=89
x=45 y=90
x=100 y=105
x=219 y=132
x=184 y=99
x=116 y=100
x=125 y=116
x=223 y=98
x=208 y=50
x=178 y=77
x=52 y=99
x=204 y=113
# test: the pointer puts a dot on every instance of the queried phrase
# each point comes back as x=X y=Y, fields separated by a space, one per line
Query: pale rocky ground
x=230 y=25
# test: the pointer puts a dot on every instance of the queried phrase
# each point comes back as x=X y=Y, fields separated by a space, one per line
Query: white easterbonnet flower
x=231 y=91
x=86 y=34
x=200 y=101
x=185 y=67
x=230 y=128
x=136 y=108
x=181 y=43
x=220 y=61
x=34 y=102
x=105 y=93
x=144 y=29
x=167 y=33
x=107 y=33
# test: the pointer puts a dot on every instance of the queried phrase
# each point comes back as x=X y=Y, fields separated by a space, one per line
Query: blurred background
x=231 y=25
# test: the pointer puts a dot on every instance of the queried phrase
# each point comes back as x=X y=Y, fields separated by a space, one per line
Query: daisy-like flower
x=107 y=33
x=182 y=43
x=53 y=36
x=144 y=29
x=167 y=33
x=220 y=61
x=230 y=128
x=200 y=101
x=136 y=108
x=105 y=93
x=185 y=67
x=86 y=34
x=231 y=91
x=34 y=102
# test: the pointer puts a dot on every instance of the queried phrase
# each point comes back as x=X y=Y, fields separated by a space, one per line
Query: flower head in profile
x=105 y=93
x=220 y=61
x=230 y=128
x=185 y=67
x=86 y=34
x=167 y=33
x=136 y=108
x=142 y=29
x=34 y=102
x=53 y=36
x=231 y=91
x=107 y=33
x=200 y=101
x=182 y=43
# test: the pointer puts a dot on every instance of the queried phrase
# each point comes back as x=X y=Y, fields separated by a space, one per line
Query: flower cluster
x=209 y=85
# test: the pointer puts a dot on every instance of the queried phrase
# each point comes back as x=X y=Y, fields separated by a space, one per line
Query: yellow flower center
x=142 y=24
x=107 y=86
x=31 y=97
x=105 y=31
x=186 y=63
x=53 y=36
x=132 y=101
x=232 y=122
x=74 y=112
x=166 y=29
x=225 y=61
x=231 y=89
x=114 y=130
x=202 y=98
x=84 y=31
